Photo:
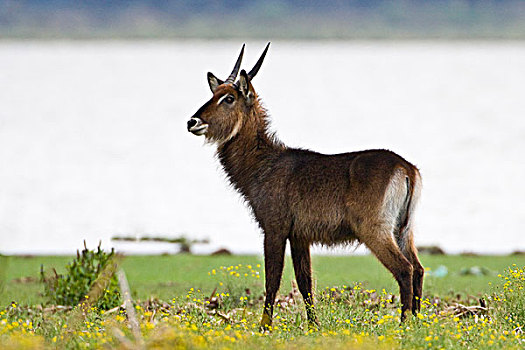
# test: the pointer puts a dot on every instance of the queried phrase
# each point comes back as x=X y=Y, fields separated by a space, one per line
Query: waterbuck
x=310 y=198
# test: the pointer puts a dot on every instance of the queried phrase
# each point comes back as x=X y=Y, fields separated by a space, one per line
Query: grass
x=164 y=277
x=176 y=308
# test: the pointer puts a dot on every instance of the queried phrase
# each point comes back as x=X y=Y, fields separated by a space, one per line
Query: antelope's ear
x=213 y=81
x=245 y=87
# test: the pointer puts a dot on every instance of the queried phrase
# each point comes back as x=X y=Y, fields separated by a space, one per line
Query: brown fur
x=306 y=197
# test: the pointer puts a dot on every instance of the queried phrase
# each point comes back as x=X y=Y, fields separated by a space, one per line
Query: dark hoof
x=266 y=323
x=314 y=325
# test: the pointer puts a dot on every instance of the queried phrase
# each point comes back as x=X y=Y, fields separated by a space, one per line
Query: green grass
x=353 y=302
x=165 y=277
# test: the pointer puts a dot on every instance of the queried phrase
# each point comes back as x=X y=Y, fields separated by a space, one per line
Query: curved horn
x=235 y=70
x=255 y=68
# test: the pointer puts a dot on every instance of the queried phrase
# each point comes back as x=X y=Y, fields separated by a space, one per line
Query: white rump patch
x=395 y=198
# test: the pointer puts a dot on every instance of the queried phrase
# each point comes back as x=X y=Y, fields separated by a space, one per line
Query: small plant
x=511 y=295
x=70 y=288
x=238 y=285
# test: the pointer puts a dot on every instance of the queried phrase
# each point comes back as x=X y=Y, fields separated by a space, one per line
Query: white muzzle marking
x=198 y=129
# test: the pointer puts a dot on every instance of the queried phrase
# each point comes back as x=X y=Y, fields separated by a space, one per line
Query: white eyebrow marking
x=222 y=98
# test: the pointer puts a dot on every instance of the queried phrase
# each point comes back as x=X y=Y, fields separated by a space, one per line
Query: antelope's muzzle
x=196 y=126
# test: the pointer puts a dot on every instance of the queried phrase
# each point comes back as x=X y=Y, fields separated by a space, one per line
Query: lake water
x=93 y=139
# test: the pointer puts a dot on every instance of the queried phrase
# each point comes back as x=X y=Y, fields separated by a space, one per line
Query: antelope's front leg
x=303 y=274
x=273 y=265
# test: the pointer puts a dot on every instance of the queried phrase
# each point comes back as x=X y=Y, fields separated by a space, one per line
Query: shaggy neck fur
x=248 y=155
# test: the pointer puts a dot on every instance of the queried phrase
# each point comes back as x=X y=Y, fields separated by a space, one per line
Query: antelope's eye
x=229 y=99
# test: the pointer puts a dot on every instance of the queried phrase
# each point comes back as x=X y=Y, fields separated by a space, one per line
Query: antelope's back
x=328 y=194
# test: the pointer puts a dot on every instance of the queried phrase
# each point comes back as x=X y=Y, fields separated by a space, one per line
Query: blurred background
x=95 y=96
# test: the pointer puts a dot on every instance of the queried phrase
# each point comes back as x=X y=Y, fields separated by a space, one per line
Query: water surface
x=93 y=140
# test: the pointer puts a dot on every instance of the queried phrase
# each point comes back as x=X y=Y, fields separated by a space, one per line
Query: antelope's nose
x=197 y=126
x=193 y=122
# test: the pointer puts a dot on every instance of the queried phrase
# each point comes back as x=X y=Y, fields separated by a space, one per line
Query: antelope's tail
x=404 y=234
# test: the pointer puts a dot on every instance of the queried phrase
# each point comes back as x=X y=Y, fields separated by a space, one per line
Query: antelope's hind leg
x=409 y=250
x=274 y=246
x=382 y=244
x=303 y=274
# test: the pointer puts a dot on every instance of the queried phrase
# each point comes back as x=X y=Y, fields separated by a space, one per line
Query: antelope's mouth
x=197 y=127
x=200 y=130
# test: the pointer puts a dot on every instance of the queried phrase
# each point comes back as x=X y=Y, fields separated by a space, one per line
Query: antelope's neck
x=249 y=156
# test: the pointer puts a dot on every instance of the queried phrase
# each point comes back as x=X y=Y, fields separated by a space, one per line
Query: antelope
x=304 y=197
